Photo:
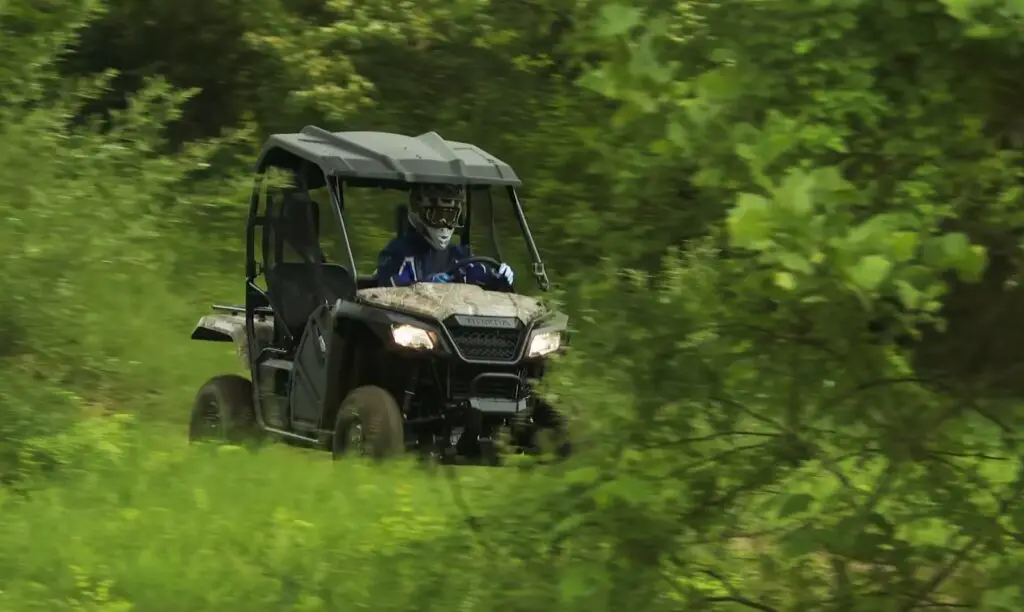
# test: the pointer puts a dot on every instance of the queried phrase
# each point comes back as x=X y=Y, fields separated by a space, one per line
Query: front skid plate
x=488 y=405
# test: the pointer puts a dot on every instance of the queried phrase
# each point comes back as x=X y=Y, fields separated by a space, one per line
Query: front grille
x=499 y=387
x=487 y=344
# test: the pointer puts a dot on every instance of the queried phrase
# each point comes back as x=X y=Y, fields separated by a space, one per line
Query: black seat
x=297 y=289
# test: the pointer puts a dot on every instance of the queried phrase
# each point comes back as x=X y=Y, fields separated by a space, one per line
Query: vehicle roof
x=386 y=157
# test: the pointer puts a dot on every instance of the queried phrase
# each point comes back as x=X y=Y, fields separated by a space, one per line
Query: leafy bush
x=83 y=268
x=791 y=468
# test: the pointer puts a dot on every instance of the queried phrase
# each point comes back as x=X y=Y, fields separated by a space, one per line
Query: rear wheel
x=369 y=423
x=223 y=410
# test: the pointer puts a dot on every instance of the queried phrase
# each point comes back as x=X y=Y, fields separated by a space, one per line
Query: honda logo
x=494 y=322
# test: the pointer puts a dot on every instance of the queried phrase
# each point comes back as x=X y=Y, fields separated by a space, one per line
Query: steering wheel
x=490 y=263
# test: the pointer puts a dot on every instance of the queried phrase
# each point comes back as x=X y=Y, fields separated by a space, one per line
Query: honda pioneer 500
x=336 y=361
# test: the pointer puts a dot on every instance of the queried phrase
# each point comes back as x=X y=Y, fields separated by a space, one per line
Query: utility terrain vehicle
x=339 y=363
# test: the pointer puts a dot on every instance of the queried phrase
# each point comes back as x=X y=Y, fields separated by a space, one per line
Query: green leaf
x=968 y=260
x=795 y=192
x=803 y=47
x=830 y=179
x=932 y=253
x=722 y=55
x=955 y=246
x=618 y=19
x=747 y=152
x=868 y=233
x=675 y=133
x=870 y=272
x=795 y=262
x=745 y=133
x=794 y=504
x=785 y=280
x=708 y=177
x=748 y=221
x=719 y=84
x=570 y=523
x=959 y=9
x=904 y=246
x=644 y=62
x=909 y=296
x=583 y=475
x=973 y=264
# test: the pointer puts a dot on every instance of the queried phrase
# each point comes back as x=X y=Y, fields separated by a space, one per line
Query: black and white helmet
x=435 y=211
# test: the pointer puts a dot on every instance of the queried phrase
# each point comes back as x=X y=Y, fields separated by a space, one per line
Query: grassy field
x=171 y=527
x=137 y=519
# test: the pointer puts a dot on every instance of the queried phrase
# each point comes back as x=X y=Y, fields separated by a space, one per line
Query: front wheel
x=369 y=423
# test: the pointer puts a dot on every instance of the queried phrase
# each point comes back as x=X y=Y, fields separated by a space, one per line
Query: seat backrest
x=402 y=226
x=297 y=289
x=298 y=226
x=300 y=212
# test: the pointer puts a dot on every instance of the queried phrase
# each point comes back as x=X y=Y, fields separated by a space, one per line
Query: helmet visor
x=442 y=213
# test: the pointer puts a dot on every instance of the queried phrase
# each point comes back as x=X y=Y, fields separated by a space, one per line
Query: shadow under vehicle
x=339 y=363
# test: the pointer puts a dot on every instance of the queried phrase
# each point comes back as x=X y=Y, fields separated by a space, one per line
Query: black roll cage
x=256 y=298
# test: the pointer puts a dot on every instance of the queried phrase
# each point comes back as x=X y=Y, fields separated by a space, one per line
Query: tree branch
x=734 y=595
x=941 y=575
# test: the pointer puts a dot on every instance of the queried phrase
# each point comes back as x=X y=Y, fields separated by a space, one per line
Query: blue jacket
x=410 y=259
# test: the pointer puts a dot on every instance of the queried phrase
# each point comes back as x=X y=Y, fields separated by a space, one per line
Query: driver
x=426 y=254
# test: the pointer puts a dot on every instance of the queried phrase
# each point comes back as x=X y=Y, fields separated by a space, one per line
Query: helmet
x=435 y=211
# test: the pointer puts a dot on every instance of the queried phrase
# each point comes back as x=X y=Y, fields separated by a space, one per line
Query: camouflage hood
x=444 y=300
x=224 y=325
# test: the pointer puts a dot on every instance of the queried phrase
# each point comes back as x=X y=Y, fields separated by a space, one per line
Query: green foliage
x=85 y=269
x=795 y=467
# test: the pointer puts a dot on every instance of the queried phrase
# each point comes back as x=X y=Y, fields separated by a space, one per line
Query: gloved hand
x=440 y=277
x=505 y=273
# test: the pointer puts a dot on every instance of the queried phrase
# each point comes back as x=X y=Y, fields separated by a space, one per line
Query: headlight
x=542 y=344
x=412 y=337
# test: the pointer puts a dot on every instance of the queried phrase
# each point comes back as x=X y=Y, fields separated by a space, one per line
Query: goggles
x=440 y=213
